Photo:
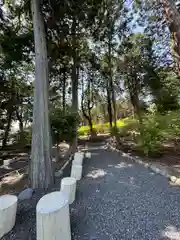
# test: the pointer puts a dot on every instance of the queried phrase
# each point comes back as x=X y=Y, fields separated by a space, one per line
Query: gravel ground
x=119 y=199
x=116 y=199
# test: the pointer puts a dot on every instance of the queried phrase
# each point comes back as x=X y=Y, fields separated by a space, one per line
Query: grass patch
x=101 y=128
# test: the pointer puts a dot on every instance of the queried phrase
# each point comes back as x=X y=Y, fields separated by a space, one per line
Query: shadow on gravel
x=119 y=200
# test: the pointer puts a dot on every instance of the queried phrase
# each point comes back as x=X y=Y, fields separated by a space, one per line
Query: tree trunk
x=134 y=96
x=89 y=119
x=74 y=80
x=109 y=106
x=64 y=91
x=7 y=129
x=111 y=85
x=172 y=15
x=41 y=174
x=74 y=71
x=89 y=107
x=21 y=127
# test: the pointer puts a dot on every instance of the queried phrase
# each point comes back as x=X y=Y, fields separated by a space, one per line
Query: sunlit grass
x=101 y=128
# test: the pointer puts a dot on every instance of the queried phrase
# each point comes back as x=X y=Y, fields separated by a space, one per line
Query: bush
x=128 y=127
x=173 y=124
x=101 y=129
x=152 y=133
x=22 y=138
x=155 y=130
x=63 y=126
x=83 y=130
x=120 y=123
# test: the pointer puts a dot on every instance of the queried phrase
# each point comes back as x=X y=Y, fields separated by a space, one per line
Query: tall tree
x=168 y=10
x=172 y=16
x=41 y=174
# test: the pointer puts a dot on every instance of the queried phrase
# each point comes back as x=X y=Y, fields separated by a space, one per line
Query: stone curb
x=152 y=167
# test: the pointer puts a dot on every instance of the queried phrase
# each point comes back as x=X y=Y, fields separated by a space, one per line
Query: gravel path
x=119 y=199
x=116 y=200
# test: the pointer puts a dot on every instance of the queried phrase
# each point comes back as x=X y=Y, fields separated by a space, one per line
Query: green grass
x=101 y=128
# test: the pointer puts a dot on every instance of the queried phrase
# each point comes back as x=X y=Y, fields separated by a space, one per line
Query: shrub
x=83 y=130
x=121 y=123
x=22 y=138
x=63 y=126
x=173 y=123
x=128 y=128
x=100 y=128
x=151 y=133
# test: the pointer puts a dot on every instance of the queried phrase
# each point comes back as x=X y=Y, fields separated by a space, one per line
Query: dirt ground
x=14 y=163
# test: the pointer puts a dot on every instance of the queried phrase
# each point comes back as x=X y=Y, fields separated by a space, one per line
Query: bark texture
x=87 y=110
x=8 y=126
x=64 y=90
x=111 y=84
x=74 y=80
x=41 y=174
x=173 y=17
x=109 y=105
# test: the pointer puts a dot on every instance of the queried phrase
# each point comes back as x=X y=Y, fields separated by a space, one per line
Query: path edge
x=139 y=160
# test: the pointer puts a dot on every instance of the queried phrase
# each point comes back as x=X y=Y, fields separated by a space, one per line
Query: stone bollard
x=88 y=155
x=68 y=186
x=78 y=158
x=78 y=154
x=52 y=217
x=77 y=161
x=8 y=209
x=76 y=171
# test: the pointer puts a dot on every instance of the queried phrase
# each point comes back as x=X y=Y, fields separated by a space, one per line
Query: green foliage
x=130 y=127
x=153 y=132
x=156 y=130
x=83 y=130
x=163 y=86
x=100 y=128
x=150 y=135
x=22 y=138
x=173 y=124
x=63 y=125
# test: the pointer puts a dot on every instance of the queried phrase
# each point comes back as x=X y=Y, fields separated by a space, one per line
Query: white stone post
x=78 y=154
x=78 y=158
x=68 y=186
x=8 y=209
x=77 y=161
x=76 y=171
x=88 y=155
x=52 y=217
